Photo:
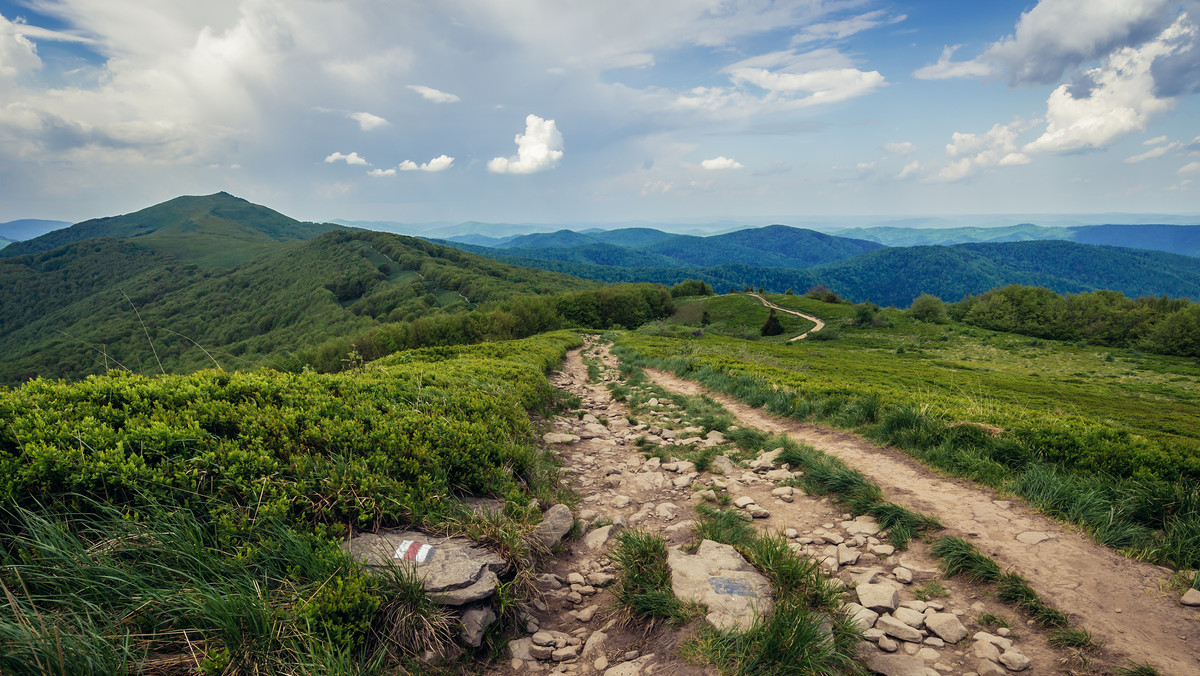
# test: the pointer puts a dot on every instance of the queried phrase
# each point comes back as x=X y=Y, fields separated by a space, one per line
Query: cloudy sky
x=575 y=111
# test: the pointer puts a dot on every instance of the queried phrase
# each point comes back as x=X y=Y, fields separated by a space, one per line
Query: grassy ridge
x=1124 y=467
x=195 y=520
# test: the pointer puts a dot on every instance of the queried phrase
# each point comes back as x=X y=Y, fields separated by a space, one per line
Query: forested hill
x=1179 y=239
x=65 y=312
x=217 y=230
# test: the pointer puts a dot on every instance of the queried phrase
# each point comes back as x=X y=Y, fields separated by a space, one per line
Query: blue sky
x=583 y=111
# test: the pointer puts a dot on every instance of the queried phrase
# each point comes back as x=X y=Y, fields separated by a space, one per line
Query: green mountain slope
x=214 y=230
x=897 y=236
x=1180 y=239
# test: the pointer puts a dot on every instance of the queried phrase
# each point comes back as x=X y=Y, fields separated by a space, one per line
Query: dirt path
x=819 y=324
x=1126 y=604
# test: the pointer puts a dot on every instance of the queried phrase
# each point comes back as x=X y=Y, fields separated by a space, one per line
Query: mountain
x=28 y=228
x=213 y=230
x=549 y=240
x=1180 y=239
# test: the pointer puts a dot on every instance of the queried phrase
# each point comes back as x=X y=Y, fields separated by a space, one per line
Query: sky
x=601 y=111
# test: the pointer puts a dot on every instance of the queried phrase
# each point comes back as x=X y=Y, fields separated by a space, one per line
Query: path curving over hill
x=1128 y=605
x=819 y=324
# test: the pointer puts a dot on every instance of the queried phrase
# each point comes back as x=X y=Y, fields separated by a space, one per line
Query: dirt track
x=1128 y=605
x=819 y=324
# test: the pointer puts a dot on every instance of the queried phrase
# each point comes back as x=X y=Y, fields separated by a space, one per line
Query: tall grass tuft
x=644 y=585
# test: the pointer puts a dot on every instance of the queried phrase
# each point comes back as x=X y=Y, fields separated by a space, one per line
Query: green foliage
x=644 y=584
x=771 y=327
x=691 y=287
x=928 y=308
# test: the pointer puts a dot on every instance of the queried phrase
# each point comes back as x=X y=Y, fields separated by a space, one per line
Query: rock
x=881 y=598
x=721 y=464
x=1015 y=661
x=778 y=475
x=903 y=574
x=892 y=665
x=559 y=438
x=685 y=480
x=758 y=512
x=928 y=654
x=717 y=576
x=897 y=629
x=743 y=502
x=600 y=579
x=1001 y=643
x=946 y=626
x=555 y=525
x=631 y=668
x=886 y=643
x=909 y=616
x=846 y=556
x=519 y=648
x=766 y=461
x=863 y=617
x=593 y=430
x=548 y=582
x=620 y=501
x=455 y=571
x=1191 y=597
x=1032 y=537
x=597 y=538
x=540 y=652
x=883 y=550
x=576 y=578
x=594 y=645
x=667 y=511
x=715 y=436
x=862 y=525
x=543 y=638
x=474 y=623
x=833 y=538
x=990 y=668
x=782 y=491
x=986 y=651
x=567 y=653
x=708 y=494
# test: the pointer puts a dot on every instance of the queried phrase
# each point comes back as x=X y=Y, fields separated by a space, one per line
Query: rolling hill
x=217 y=230
x=28 y=228
x=1179 y=239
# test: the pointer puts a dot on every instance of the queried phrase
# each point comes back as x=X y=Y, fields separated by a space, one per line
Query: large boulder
x=717 y=576
x=947 y=627
x=555 y=525
x=455 y=571
x=882 y=598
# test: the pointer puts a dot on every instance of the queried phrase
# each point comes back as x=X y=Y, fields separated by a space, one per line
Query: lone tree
x=771 y=327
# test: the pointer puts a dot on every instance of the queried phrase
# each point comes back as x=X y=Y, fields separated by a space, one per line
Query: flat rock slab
x=1032 y=537
x=717 y=576
x=947 y=627
x=455 y=571
x=892 y=665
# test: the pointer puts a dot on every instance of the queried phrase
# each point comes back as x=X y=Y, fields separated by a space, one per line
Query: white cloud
x=352 y=158
x=1155 y=141
x=1152 y=153
x=720 y=162
x=804 y=79
x=836 y=30
x=909 y=170
x=946 y=69
x=969 y=153
x=382 y=172
x=1057 y=36
x=439 y=163
x=538 y=149
x=1189 y=168
x=431 y=94
x=1122 y=99
x=18 y=54
x=902 y=149
x=367 y=121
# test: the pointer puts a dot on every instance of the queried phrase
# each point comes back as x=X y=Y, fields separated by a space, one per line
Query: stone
x=548 y=582
x=555 y=525
x=559 y=438
x=1032 y=537
x=886 y=643
x=929 y=654
x=541 y=652
x=862 y=525
x=934 y=641
x=543 y=638
x=892 y=665
x=576 y=578
x=519 y=648
x=630 y=668
x=597 y=538
x=721 y=464
x=455 y=571
x=719 y=577
x=594 y=644
x=600 y=579
x=1015 y=661
x=1191 y=597
x=758 y=512
x=567 y=653
x=667 y=510
x=846 y=556
x=990 y=668
x=863 y=617
x=715 y=436
x=897 y=629
x=743 y=502
x=986 y=651
x=766 y=461
x=946 y=626
x=903 y=574
x=781 y=491
x=620 y=501
x=881 y=598
x=1001 y=643
x=909 y=616
x=916 y=604
x=778 y=475
x=475 y=622
x=883 y=550
x=685 y=480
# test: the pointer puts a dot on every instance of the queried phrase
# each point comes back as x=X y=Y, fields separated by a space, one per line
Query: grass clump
x=930 y=590
x=1072 y=638
x=1137 y=669
x=992 y=621
x=644 y=586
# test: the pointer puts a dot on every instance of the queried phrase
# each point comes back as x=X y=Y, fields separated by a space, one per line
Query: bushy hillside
x=214 y=230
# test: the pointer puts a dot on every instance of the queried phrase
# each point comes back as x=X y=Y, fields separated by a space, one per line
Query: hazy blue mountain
x=1180 y=239
x=28 y=228
x=549 y=240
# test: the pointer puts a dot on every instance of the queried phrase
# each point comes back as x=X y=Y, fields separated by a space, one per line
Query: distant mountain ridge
x=211 y=230
x=1179 y=239
x=28 y=228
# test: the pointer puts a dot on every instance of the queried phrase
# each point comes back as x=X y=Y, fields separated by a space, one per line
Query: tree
x=928 y=308
x=705 y=320
x=761 y=289
x=788 y=292
x=771 y=327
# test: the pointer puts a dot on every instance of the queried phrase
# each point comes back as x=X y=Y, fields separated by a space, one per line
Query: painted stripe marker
x=411 y=550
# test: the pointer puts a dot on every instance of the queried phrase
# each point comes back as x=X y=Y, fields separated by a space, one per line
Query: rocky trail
x=576 y=627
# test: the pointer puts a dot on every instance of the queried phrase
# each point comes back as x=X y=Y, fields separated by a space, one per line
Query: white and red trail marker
x=411 y=550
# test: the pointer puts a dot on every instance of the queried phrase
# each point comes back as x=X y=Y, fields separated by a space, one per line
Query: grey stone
x=631 y=668
x=863 y=617
x=559 y=438
x=881 y=598
x=597 y=538
x=519 y=648
x=593 y=430
x=594 y=645
x=541 y=652
x=909 y=616
x=474 y=623
x=743 y=502
x=667 y=510
x=986 y=651
x=892 y=665
x=897 y=629
x=990 y=668
x=1032 y=537
x=903 y=574
x=565 y=653
x=862 y=525
x=883 y=550
x=548 y=582
x=555 y=525
x=721 y=464
x=999 y=642
x=456 y=571
x=544 y=638
x=717 y=576
x=1191 y=597
x=947 y=627
x=1015 y=661
x=886 y=643
x=766 y=461
x=600 y=579
x=929 y=654
x=846 y=556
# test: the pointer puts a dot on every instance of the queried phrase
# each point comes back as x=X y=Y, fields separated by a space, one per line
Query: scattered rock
x=548 y=582
x=598 y=538
x=474 y=623
x=846 y=556
x=893 y=665
x=903 y=575
x=555 y=525
x=862 y=525
x=1191 y=597
x=863 y=617
x=886 y=643
x=717 y=576
x=559 y=438
x=881 y=598
x=897 y=629
x=455 y=571
x=743 y=502
x=630 y=668
x=1015 y=661
x=566 y=653
x=667 y=511
x=990 y=668
x=909 y=616
x=947 y=627
x=721 y=464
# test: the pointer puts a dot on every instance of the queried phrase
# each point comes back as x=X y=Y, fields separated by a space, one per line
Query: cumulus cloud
x=1057 y=36
x=803 y=79
x=431 y=94
x=352 y=158
x=720 y=162
x=1122 y=98
x=969 y=153
x=946 y=68
x=17 y=53
x=911 y=169
x=904 y=148
x=538 y=149
x=382 y=172
x=439 y=163
x=367 y=121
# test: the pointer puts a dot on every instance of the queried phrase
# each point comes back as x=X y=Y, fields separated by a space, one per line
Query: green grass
x=992 y=621
x=1072 y=638
x=644 y=579
x=737 y=316
x=1136 y=669
x=930 y=590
